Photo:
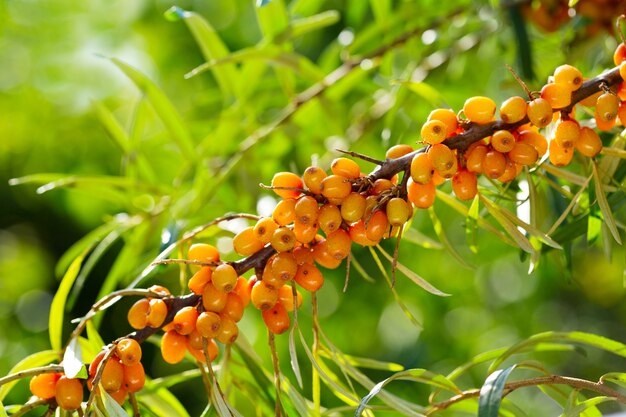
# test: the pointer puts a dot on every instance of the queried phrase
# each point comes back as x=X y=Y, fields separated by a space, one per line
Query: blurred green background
x=59 y=87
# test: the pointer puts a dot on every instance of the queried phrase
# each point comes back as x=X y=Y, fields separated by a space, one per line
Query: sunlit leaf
x=299 y=27
x=471 y=224
x=368 y=363
x=607 y=150
x=427 y=92
x=491 y=393
x=3 y=413
x=412 y=235
x=444 y=239
x=111 y=407
x=293 y=355
x=57 y=309
x=31 y=361
x=521 y=240
x=607 y=214
x=585 y=406
x=161 y=402
x=73 y=361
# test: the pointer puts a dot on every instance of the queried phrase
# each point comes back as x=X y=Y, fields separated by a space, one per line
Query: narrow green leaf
x=368 y=363
x=381 y=10
x=413 y=276
x=273 y=18
x=506 y=224
x=31 y=361
x=607 y=214
x=293 y=356
x=161 y=402
x=533 y=231
x=299 y=27
x=580 y=408
x=620 y=153
x=112 y=408
x=471 y=224
x=425 y=91
x=444 y=239
x=491 y=392
x=163 y=107
x=95 y=340
x=357 y=265
x=573 y=202
x=618 y=378
x=3 y=412
x=52 y=181
x=73 y=361
x=410 y=234
x=57 y=309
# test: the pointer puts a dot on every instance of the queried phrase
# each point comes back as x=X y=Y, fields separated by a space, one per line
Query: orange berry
x=513 y=110
x=503 y=141
x=449 y=173
x=441 y=157
x=129 y=351
x=233 y=308
x=474 y=159
x=479 y=109
x=263 y=296
x=607 y=107
x=285 y=297
x=558 y=95
x=185 y=320
x=307 y=210
x=285 y=212
x=228 y=331
x=194 y=339
x=313 y=177
x=329 y=218
x=464 y=185
x=494 y=164
x=305 y=233
x=225 y=277
x=44 y=385
x=242 y=290
x=539 y=112
x=591 y=100
x=339 y=244
x=569 y=76
x=308 y=277
x=119 y=396
x=69 y=393
x=289 y=180
x=265 y=228
x=422 y=168
x=398 y=211
x=203 y=252
x=434 y=131
x=159 y=289
x=345 y=167
x=622 y=71
x=604 y=125
x=208 y=324
x=173 y=347
x=523 y=154
x=397 y=151
x=447 y=116
x=336 y=187
x=157 y=313
x=589 y=143
x=138 y=314
x=510 y=172
x=535 y=139
x=376 y=225
x=620 y=54
x=560 y=156
x=302 y=255
x=421 y=195
x=198 y=281
x=566 y=133
x=283 y=265
x=213 y=299
x=353 y=207
x=112 y=375
x=621 y=113
x=277 y=319
x=323 y=257
x=357 y=233
x=380 y=185
x=134 y=377
x=245 y=242
x=283 y=239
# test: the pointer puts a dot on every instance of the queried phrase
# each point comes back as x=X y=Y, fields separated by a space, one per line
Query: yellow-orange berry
x=397 y=151
x=44 y=385
x=338 y=244
x=134 y=377
x=323 y=257
x=213 y=299
x=305 y=233
x=535 y=139
x=539 y=112
x=336 y=187
x=306 y=209
x=277 y=319
x=434 y=131
x=479 y=109
x=185 y=320
x=228 y=331
x=510 y=172
x=203 y=252
x=283 y=265
x=208 y=324
x=357 y=233
x=494 y=164
x=225 y=277
x=421 y=195
x=441 y=157
x=112 y=375
x=313 y=177
x=422 y=168
x=283 y=239
x=329 y=218
x=558 y=95
x=345 y=167
x=233 y=308
x=302 y=254
x=69 y=393
x=560 y=156
x=589 y=143
x=513 y=110
x=464 y=184
x=263 y=296
x=398 y=211
x=200 y=279
x=286 y=298
x=607 y=106
x=265 y=228
x=502 y=141
x=119 y=396
x=569 y=76
x=622 y=71
x=242 y=290
x=353 y=207
x=129 y=351
x=474 y=159
x=523 y=154
x=138 y=314
x=566 y=133
x=380 y=185
x=285 y=212
x=376 y=225
x=245 y=242
x=288 y=184
x=173 y=347
x=620 y=54
x=446 y=116
x=308 y=277
x=157 y=313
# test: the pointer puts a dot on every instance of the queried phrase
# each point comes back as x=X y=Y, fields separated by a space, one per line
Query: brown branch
x=31 y=372
x=577 y=383
x=30 y=406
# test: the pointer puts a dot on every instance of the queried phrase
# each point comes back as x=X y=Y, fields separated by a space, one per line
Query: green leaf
x=95 y=340
x=607 y=214
x=161 y=402
x=73 y=361
x=425 y=91
x=607 y=150
x=3 y=412
x=507 y=225
x=163 y=107
x=293 y=356
x=112 y=408
x=491 y=393
x=585 y=406
x=31 y=361
x=299 y=27
x=533 y=231
x=412 y=235
x=357 y=265
x=444 y=239
x=368 y=363
x=57 y=309
x=471 y=224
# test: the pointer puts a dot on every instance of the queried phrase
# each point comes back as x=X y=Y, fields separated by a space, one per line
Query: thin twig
x=184 y=262
x=361 y=156
x=519 y=81
x=30 y=406
x=31 y=372
x=110 y=350
x=133 y=402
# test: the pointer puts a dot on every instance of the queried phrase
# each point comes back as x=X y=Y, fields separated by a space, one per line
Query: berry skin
x=200 y=279
x=474 y=159
x=398 y=211
x=336 y=188
x=376 y=226
x=283 y=239
x=138 y=314
x=262 y=296
x=329 y=218
x=128 y=351
x=313 y=177
x=213 y=299
x=569 y=76
x=557 y=95
x=287 y=180
x=228 y=331
x=353 y=207
x=69 y=393
x=208 y=324
x=345 y=167
x=284 y=266
x=465 y=185
x=307 y=210
x=513 y=110
x=380 y=185
x=589 y=143
x=622 y=71
x=503 y=141
x=339 y=244
x=523 y=154
x=308 y=277
x=264 y=228
x=620 y=54
x=566 y=133
x=242 y=290
x=185 y=320
x=421 y=195
x=397 y=151
x=112 y=375
x=607 y=107
x=203 y=252
x=225 y=277
x=302 y=255
x=441 y=157
x=494 y=164
x=422 y=169
x=539 y=112
x=448 y=117
x=44 y=385
x=134 y=377
x=535 y=139
x=510 y=172
x=323 y=257
x=560 y=156
x=277 y=319
x=434 y=131
x=173 y=347
x=157 y=313
x=245 y=243
x=285 y=212
x=357 y=233
x=305 y=233
x=285 y=297
x=233 y=308
x=479 y=109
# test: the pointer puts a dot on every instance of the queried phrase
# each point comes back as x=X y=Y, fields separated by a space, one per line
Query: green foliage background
x=156 y=161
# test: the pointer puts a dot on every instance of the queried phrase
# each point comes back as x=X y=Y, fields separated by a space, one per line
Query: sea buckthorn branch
x=31 y=372
x=174 y=305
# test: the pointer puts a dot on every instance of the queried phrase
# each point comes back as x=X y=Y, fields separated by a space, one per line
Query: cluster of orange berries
x=67 y=392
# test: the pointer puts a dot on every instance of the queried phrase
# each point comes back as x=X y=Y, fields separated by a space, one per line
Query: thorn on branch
x=361 y=156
